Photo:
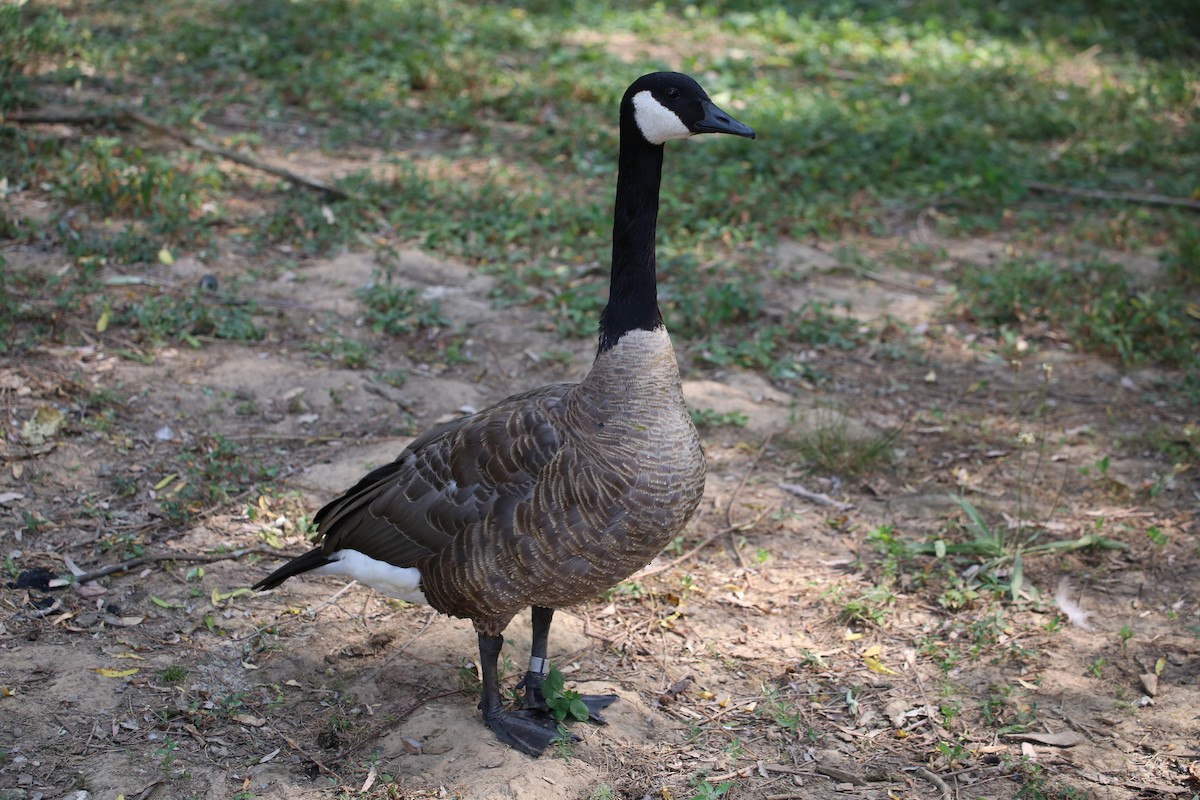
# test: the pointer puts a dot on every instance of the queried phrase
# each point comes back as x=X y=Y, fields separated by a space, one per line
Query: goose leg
x=542 y=617
x=526 y=731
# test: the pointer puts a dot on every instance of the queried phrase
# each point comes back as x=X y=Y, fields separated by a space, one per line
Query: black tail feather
x=311 y=560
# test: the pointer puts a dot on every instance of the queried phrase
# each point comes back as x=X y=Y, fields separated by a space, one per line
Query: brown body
x=544 y=499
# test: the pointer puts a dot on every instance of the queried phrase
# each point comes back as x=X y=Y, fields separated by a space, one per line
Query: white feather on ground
x=1075 y=613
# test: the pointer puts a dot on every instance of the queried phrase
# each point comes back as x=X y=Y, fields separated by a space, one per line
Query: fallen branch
x=815 y=497
x=839 y=775
x=1124 y=197
x=133 y=563
x=124 y=115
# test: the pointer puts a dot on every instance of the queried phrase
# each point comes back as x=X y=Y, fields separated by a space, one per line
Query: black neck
x=633 y=290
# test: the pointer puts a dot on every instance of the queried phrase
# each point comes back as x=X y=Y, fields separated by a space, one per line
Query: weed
x=173 y=673
x=350 y=353
x=1003 y=564
x=835 y=446
x=705 y=790
x=394 y=310
x=212 y=471
x=166 y=753
x=786 y=715
x=1126 y=633
x=563 y=703
x=635 y=590
x=952 y=752
x=871 y=607
x=185 y=318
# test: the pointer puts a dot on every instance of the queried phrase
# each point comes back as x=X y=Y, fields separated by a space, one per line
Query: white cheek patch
x=656 y=122
x=403 y=583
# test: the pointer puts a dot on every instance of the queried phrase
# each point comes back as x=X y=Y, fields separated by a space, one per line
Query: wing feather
x=480 y=467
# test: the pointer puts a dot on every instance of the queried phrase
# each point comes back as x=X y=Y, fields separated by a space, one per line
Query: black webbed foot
x=528 y=731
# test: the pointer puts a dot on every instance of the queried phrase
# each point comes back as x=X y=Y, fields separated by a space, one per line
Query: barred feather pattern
x=546 y=498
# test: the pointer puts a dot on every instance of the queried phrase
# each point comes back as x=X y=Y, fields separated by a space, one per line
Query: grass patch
x=509 y=149
x=1094 y=302
x=213 y=471
x=835 y=445
x=186 y=317
x=395 y=310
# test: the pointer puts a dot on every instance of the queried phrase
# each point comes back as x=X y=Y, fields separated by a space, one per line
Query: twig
x=744 y=772
x=125 y=566
x=1124 y=197
x=125 y=115
x=733 y=528
x=841 y=776
x=815 y=497
x=753 y=466
x=374 y=674
x=936 y=781
x=313 y=611
x=295 y=746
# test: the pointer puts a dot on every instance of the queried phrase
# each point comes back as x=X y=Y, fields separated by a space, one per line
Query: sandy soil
x=741 y=668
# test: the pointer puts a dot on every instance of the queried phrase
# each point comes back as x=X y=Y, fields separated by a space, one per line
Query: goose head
x=669 y=105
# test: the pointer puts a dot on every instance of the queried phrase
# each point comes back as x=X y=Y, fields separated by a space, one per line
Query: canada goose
x=551 y=496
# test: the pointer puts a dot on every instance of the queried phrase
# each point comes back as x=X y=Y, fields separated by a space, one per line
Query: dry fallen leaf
x=870 y=657
x=372 y=774
x=44 y=424
x=249 y=719
x=106 y=672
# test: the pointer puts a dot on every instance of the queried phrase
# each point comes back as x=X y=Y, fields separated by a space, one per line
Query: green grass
x=1096 y=303
x=868 y=113
x=831 y=445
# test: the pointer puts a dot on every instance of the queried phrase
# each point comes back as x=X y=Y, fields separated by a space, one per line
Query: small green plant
x=704 y=790
x=350 y=353
x=786 y=715
x=1004 y=556
x=564 y=744
x=1096 y=668
x=166 y=753
x=953 y=752
x=395 y=310
x=563 y=702
x=869 y=608
x=173 y=673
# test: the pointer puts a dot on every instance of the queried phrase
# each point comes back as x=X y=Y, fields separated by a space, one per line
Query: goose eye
x=672 y=93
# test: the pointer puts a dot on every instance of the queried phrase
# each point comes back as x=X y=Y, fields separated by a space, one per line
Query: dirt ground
x=746 y=668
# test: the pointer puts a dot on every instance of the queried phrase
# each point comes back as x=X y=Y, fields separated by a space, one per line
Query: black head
x=669 y=105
